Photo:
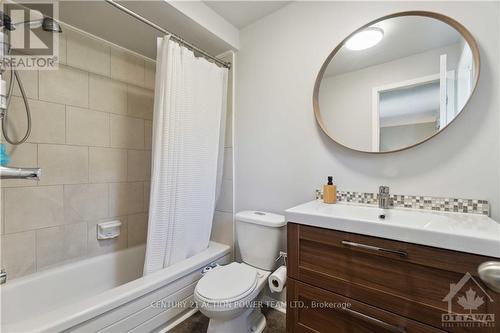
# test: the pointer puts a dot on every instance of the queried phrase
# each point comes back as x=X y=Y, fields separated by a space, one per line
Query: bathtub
x=105 y=294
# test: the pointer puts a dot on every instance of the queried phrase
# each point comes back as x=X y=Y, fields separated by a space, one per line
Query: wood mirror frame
x=443 y=18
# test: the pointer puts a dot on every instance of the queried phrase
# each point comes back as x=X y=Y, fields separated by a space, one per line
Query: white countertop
x=472 y=233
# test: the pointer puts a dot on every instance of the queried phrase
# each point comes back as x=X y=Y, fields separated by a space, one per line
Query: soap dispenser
x=330 y=192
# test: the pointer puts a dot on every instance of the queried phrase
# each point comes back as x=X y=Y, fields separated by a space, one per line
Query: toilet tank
x=260 y=237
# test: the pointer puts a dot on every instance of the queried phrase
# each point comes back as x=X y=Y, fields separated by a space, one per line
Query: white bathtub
x=104 y=294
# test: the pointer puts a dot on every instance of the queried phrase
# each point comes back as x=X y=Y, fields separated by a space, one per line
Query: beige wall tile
x=222 y=228
x=150 y=70
x=18 y=254
x=2 y=211
x=148 y=133
x=140 y=102
x=28 y=208
x=62 y=47
x=137 y=226
x=127 y=132
x=127 y=67
x=47 y=121
x=107 y=94
x=97 y=247
x=148 y=165
x=65 y=85
x=87 y=127
x=46 y=225
x=225 y=202
x=29 y=79
x=85 y=202
x=107 y=165
x=126 y=198
x=63 y=164
x=58 y=244
x=147 y=189
x=24 y=155
x=88 y=53
x=139 y=165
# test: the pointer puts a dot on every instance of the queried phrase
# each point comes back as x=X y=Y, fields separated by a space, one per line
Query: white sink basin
x=471 y=233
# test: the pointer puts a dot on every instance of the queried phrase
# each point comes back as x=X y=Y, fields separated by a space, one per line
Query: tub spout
x=20 y=173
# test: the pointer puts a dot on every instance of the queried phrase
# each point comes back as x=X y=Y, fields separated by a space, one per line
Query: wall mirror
x=396 y=82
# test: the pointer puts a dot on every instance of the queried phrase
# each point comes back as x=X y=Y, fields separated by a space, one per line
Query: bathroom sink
x=471 y=233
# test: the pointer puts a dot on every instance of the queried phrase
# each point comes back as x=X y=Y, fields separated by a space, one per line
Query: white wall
x=281 y=155
x=346 y=99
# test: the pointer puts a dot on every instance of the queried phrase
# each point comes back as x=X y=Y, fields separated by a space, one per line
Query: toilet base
x=250 y=321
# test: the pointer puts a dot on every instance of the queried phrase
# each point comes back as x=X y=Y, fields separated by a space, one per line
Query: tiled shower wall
x=91 y=136
x=223 y=223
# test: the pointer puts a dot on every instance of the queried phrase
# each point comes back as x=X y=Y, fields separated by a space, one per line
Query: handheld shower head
x=51 y=25
x=48 y=23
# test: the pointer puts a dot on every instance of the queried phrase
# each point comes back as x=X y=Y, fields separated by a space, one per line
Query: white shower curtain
x=188 y=144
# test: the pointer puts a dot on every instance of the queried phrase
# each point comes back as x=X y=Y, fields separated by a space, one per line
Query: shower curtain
x=188 y=145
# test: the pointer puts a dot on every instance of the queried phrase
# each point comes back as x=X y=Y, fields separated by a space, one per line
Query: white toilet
x=227 y=294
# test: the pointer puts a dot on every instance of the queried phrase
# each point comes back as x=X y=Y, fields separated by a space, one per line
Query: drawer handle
x=375 y=321
x=374 y=248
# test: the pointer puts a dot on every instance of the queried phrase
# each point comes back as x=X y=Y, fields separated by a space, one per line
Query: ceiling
x=403 y=36
x=103 y=20
x=243 y=13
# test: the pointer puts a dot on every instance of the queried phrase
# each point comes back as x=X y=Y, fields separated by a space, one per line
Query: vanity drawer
x=407 y=279
x=312 y=309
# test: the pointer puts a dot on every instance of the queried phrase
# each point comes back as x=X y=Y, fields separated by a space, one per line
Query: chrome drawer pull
x=489 y=272
x=374 y=248
x=375 y=321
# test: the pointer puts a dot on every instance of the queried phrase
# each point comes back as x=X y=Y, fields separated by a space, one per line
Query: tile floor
x=198 y=323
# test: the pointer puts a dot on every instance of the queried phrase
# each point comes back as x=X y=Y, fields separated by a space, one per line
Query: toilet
x=228 y=294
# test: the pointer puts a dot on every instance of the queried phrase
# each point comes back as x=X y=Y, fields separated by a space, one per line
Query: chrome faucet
x=384 y=198
x=3 y=276
x=19 y=173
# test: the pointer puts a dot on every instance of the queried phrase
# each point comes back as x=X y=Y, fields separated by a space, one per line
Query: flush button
x=259 y=213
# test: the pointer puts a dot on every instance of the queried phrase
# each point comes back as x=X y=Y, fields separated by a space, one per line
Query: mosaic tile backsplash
x=471 y=206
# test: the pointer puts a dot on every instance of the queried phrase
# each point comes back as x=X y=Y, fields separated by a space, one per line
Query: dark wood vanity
x=391 y=286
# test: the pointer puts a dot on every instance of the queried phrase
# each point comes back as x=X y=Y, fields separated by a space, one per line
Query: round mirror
x=396 y=82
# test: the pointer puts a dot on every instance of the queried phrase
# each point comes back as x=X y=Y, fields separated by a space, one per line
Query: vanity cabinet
x=391 y=286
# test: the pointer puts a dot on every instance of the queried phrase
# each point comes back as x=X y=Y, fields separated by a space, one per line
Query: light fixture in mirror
x=365 y=39
x=396 y=82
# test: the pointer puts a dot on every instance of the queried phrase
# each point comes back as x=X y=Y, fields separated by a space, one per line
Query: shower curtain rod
x=178 y=39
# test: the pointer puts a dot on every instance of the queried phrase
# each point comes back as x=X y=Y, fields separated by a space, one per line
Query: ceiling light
x=365 y=39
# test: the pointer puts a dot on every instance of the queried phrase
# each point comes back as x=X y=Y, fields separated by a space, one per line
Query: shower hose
x=15 y=76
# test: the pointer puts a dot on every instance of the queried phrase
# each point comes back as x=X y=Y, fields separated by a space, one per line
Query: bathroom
x=94 y=232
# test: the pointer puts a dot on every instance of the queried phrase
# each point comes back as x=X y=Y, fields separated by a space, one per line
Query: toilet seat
x=226 y=284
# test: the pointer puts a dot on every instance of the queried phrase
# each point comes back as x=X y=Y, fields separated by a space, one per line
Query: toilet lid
x=230 y=282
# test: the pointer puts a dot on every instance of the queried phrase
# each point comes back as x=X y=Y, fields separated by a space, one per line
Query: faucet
x=3 y=276
x=384 y=198
x=20 y=173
